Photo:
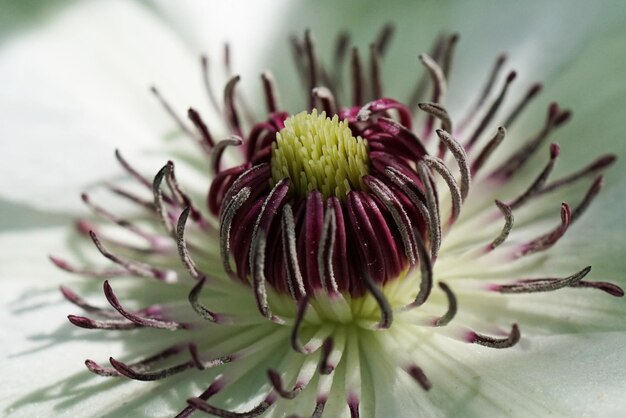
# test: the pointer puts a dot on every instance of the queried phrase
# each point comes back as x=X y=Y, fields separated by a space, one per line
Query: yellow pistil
x=319 y=153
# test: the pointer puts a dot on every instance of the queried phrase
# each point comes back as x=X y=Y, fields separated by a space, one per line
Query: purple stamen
x=485 y=92
x=115 y=324
x=297 y=324
x=200 y=309
x=541 y=179
x=204 y=61
x=488 y=150
x=546 y=241
x=134 y=267
x=200 y=404
x=229 y=106
x=139 y=320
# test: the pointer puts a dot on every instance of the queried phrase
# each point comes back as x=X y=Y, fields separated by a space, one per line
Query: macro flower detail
x=337 y=240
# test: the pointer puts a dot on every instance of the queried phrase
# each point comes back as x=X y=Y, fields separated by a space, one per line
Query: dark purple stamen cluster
x=333 y=246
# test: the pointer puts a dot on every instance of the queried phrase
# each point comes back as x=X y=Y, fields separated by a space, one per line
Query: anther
x=358 y=84
x=226 y=222
x=610 y=288
x=488 y=150
x=375 y=77
x=140 y=365
x=222 y=413
x=91 y=272
x=311 y=55
x=83 y=304
x=399 y=215
x=297 y=324
x=384 y=37
x=277 y=384
x=403 y=133
x=229 y=104
x=134 y=267
x=327 y=100
x=597 y=166
x=492 y=111
x=181 y=125
x=426 y=279
x=146 y=204
x=183 y=251
x=112 y=324
x=556 y=117
x=532 y=92
x=541 y=179
x=130 y=170
x=439 y=112
x=386 y=312
x=271 y=92
x=215 y=387
x=493 y=342
x=408 y=187
x=295 y=282
x=432 y=206
x=419 y=376
x=439 y=88
x=127 y=371
x=459 y=154
x=491 y=81
x=139 y=320
x=327 y=347
x=159 y=199
x=342 y=45
x=155 y=241
x=422 y=83
x=548 y=240
x=181 y=198
x=452 y=307
x=257 y=256
x=204 y=60
x=218 y=151
x=542 y=285
x=506 y=229
x=437 y=76
x=591 y=194
x=200 y=309
x=325 y=252
x=455 y=193
x=227 y=58
x=448 y=55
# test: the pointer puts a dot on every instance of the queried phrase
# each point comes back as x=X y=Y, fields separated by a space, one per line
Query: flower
x=402 y=200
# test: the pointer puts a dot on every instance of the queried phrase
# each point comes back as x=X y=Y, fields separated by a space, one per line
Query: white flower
x=535 y=377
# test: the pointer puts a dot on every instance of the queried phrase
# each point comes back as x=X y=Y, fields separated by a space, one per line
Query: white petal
x=42 y=351
x=76 y=88
x=562 y=376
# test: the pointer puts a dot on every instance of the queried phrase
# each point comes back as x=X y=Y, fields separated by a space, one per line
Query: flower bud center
x=319 y=153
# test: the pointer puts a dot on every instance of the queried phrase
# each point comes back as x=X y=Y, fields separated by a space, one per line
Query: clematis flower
x=363 y=254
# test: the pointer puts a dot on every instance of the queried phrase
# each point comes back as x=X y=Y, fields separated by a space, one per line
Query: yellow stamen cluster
x=319 y=153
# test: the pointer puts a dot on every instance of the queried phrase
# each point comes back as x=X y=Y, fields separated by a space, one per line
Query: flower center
x=319 y=153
